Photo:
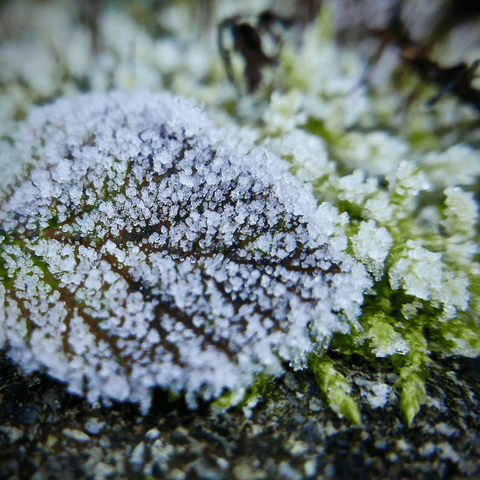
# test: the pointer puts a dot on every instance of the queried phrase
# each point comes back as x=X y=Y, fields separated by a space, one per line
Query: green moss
x=335 y=387
x=412 y=372
x=383 y=323
x=261 y=388
x=317 y=127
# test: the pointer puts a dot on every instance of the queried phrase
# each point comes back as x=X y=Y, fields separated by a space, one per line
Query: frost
x=284 y=112
x=371 y=246
x=378 y=152
x=384 y=167
x=307 y=153
x=419 y=271
x=380 y=394
x=377 y=394
x=355 y=188
x=461 y=213
x=405 y=185
x=459 y=165
x=422 y=273
x=380 y=208
x=142 y=250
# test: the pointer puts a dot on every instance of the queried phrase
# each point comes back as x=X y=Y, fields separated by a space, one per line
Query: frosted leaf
x=138 y=249
x=394 y=345
x=380 y=208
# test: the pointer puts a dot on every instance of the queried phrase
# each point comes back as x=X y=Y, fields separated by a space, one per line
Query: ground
x=46 y=433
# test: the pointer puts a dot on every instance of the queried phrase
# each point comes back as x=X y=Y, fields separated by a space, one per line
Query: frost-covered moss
x=403 y=175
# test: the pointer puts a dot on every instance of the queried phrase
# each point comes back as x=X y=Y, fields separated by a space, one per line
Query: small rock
x=310 y=468
x=298 y=448
x=286 y=471
x=75 y=434
x=291 y=381
x=13 y=434
x=152 y=434
x=222 y=463
x=102 y=471
x=205 y=472
x=427 y=449
x=447 y=452
x=445 y=429
x=137 y=457
x=315 y=404
x=28 y=414
x=94 y=425
x=104 y=442
x=51 y=441
x=176 y=474
x=244 y=471
x=180 y=434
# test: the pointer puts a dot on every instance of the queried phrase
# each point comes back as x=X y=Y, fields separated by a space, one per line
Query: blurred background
x=412 y=57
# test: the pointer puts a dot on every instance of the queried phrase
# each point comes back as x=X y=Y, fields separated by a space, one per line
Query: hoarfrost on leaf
x=139 y=249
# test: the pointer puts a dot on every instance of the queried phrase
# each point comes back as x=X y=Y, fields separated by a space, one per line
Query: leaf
x=144 y=248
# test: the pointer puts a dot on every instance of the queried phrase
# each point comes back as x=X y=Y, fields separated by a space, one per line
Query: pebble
x=94 y=426
x=75 y=434
x=28 y=414
x=13 y=434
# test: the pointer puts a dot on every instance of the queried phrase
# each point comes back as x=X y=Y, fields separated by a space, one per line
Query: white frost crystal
x=459 y=165
x=371 y=245
x=421 y=273
x=138 y=248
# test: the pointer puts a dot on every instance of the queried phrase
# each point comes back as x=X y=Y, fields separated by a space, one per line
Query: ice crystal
x=140 y=247
x=371 y=245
